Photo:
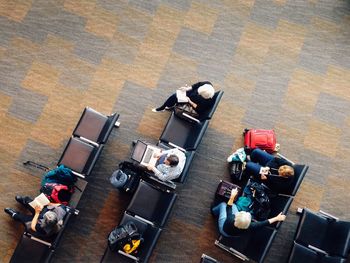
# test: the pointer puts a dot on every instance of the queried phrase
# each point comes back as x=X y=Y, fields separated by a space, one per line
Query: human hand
x=263 y=177
x=280 y=217
x=150 y=167
x=38 y=209
x=234 y=192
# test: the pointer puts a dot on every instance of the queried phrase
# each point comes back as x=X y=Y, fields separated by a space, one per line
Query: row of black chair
x=80 y=155
x=320 y=237
x=254 y=245
x=152 y=202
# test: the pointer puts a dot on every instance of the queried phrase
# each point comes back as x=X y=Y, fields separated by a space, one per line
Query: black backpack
x=260 y=207
x=125 y=237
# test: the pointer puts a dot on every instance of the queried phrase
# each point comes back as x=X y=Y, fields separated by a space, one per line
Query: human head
x=206 y=91
x=49 y=219
x=286 y=171
x=242 y=220
x=172 y=160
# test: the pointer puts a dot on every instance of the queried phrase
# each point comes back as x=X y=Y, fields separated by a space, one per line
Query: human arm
x=35 y=218
x=159 y=173
x=234 y=192
x=279 y=217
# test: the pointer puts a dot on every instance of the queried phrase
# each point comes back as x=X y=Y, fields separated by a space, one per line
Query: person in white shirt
x=169 y=165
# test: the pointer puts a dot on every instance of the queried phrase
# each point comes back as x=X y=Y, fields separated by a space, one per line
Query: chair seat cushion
x=90 y=124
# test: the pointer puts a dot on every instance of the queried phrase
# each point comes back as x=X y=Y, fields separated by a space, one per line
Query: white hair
x=242 y=220
x=206 y=91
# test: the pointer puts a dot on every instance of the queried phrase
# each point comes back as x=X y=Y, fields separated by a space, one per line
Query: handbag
x=236 y=169
x=185 y=108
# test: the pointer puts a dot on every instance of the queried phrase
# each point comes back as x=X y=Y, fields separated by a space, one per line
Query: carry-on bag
x=258 y=138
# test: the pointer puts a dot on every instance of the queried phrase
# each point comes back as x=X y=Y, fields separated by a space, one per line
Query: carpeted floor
x=283 y=65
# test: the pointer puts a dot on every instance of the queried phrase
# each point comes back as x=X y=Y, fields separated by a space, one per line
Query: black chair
x=29 y=250
x=80 y=156
x=183 y=134
x=279 y=203
x=94 y=126
x=324 y=232
x=37 y=249
x=151 y=204
x=149 y=233
x=300 y=253
x=252 y=245
x=188 y=134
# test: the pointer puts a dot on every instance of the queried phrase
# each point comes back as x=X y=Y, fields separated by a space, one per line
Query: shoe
x=10 y=211
x=22 y=199
x=134 y=142
x=156 y=110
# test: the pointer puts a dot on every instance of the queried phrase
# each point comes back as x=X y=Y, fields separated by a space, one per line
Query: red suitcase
x=263 y=139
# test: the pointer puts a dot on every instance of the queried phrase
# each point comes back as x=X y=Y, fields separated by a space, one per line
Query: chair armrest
x=317 y=250
x=190 y=117
x=231 y=250
x=78 y=174
x=323 y=213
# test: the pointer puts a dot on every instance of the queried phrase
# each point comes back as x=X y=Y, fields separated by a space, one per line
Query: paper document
x=181 y=96
x=41 y=200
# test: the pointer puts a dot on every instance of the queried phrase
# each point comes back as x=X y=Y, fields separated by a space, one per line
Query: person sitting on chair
x=231 y=222
x=45 y=221
x=169 y=165
x=276 y=173
x=199 y=96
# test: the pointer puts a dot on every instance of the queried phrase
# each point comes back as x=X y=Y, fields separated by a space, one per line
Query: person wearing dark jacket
x=234 y=223
x=46 y=221
x=199 y=96
x=276 y=173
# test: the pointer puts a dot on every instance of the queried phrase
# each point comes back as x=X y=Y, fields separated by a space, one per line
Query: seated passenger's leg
x=170 y=102
x=253 y=169
x=260 y=156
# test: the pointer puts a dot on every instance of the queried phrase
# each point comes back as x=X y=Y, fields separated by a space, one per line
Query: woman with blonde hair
x=231 y=222
x=274 y=172
x=199 y=96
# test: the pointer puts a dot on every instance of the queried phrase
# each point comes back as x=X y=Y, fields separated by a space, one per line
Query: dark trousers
x=170 y=102
x=24 y=218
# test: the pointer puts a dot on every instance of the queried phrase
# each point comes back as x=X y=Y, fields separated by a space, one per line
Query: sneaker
x=156 y=110
x=10 y=211
x=22 y=199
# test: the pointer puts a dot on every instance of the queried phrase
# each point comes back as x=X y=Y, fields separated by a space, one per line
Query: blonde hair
x=286 y=171
x=242 y=220
x=206 y=91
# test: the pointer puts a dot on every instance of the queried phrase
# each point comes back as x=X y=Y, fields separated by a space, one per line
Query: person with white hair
x=46 y=221
x=232 y=222
x=199 y=96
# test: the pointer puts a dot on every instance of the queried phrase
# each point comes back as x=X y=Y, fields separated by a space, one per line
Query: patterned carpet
x=283 y=64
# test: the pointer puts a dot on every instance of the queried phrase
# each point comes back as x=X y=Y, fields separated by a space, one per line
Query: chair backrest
x=95 y=126
x=80 y=156
x=30 y=249
x=337 y=239
x=182 y=133
x=279 y=203
x=152 y=203
x=208 y=114
x=260 y=243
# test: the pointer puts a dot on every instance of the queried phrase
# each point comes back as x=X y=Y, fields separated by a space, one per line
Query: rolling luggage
x=223 y=191
x=126 y=178
x=258 y=138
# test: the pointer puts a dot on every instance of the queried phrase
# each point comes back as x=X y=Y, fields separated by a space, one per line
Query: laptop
x=145 y=154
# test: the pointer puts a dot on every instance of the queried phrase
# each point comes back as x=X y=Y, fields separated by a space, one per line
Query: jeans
x=259 y=158
x=220 y=211
x=170 y=102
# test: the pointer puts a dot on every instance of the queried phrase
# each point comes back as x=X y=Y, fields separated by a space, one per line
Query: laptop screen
x=139 y=150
